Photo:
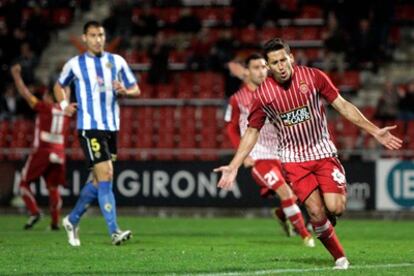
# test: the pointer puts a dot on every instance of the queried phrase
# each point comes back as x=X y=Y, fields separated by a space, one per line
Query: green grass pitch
x=202 y=246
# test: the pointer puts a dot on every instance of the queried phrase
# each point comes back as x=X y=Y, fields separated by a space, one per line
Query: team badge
x=338 y=176
x=109 y=65
x=108 y=207
x=303 y=87
x=97 y=154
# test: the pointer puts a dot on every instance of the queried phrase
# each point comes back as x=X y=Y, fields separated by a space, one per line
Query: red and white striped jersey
x=51 y=127
x=236 y=115
x=298 y=114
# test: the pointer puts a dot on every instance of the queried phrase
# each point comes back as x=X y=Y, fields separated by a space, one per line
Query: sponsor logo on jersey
x=296 y=116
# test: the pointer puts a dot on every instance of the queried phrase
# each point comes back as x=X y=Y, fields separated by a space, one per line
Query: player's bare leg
x=293 y=213
x=335 y=205
x=103 y=172
x=31 y=205
x=55 y=204
x=324 y=229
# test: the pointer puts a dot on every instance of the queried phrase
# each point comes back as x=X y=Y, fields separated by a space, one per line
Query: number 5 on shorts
x=95 y=145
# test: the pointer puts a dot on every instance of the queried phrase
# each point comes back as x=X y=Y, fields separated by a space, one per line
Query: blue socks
x=107 y=204
x=88 y=194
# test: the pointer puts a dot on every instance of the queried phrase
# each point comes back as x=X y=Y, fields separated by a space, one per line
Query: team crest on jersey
x=109 y=65
x=296 y=116
x=303 y=87
x=97 y=155
x=338 y=176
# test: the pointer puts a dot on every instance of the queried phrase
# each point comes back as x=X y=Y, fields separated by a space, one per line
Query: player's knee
x=104 y=173
x=284 y=192
x=336 y=208
x=316 y=212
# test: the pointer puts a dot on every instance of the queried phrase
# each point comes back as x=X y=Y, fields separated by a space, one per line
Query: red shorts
x=268 y=175
x=50 y=165
x=326 y=174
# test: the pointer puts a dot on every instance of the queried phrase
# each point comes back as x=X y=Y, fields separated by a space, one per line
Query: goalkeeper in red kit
x=47 y=158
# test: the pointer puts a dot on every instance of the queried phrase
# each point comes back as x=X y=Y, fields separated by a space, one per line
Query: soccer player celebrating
x=291 y=98
x=99 y=78
x=47 y=159
x=266 y=167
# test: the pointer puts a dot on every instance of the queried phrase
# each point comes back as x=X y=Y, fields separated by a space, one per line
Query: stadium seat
x=311 y=12
x=165 y=91
x=268 y=33
x=289 y=33
x=310 y=33
x=62 y=17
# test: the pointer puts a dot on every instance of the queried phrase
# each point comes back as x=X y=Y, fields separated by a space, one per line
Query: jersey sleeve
x=125 y=74
x=257 y=117
x=232 y=118
x=325 y=86
x=67 y=75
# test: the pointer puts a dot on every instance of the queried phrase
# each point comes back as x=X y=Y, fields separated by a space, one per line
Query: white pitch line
x=296 y=270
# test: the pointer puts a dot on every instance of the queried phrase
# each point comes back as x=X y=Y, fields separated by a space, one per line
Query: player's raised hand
x=385 y=137
x=228 y=177
x=15 y=70
x=70 y=109
x=119 y=88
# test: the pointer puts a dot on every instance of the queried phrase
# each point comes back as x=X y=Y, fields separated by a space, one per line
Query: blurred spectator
x=336 y=44
x=120 y=20
x=223 y=50
x=38 y=30
x=159 y=53
x=146 y=24
x=16 y=40
x=387 y=106
x=301 y=58
x=85 y=5
x=200 y=48
x=245 y=12
x=29 y=61
x=221 y=53
x=406 y=102
x=8 y=103
x=110 y=24
x=366 y=48
x=188 y=22
x=145 y=27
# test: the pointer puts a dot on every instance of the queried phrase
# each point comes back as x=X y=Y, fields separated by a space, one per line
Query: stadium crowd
x=173 y=43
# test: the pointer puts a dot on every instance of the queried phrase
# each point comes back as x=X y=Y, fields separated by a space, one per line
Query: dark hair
x=251 y=57
x=89 y=24
x=275 y=44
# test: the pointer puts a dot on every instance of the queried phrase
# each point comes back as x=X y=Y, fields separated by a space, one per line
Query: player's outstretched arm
x=229 y=172
x=21 y=86
x=352 y=113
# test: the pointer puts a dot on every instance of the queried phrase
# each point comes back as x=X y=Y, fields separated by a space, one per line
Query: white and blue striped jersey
x=98 y=106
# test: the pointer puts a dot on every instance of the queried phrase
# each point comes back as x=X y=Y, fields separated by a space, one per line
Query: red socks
x=28 y=198
x=292 y=212
x=326 y=234
x=55 y=204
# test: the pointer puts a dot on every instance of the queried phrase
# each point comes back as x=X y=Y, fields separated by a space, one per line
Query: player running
x=291 y=98
x=47 y=159
x=263 y=159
